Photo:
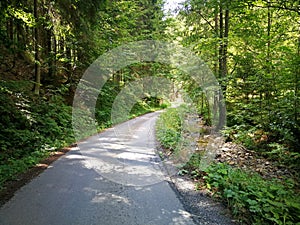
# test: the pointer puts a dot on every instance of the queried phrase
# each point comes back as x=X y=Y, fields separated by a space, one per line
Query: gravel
x=204 y=209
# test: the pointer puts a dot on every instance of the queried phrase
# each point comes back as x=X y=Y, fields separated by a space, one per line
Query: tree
x=252 y=46
x=37 y=68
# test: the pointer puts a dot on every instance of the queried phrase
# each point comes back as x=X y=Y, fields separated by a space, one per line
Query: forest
x=251 y=46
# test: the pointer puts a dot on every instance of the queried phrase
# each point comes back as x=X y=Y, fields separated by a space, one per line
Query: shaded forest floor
x=238 y=156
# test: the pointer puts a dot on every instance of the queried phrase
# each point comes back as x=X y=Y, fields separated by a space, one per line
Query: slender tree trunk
x=216 y=20
x=297 y=71
x=69 y=59
x=224 y=33
x=221 y=30
x=37 y=71
x=224 y=72
x=269 y=88
x=269 y=38
x=10 y=29
x=49 y=53
x=54 y=47
x=202 y=103
x=19 y=33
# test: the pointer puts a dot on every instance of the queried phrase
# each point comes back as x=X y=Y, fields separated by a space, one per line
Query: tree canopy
x=252 y=47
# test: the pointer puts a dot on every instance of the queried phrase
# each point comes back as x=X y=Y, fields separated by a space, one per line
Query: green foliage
x=55 y=125
x=37 y=125
x=168 y=128
x=13 y=167
x=267 y=144
x=30 y=128
x=262 y=69
x=192 y=167
x=72 y=34
x=67 y=35
x=150 y=104
x=252 y=199
x=105 y=101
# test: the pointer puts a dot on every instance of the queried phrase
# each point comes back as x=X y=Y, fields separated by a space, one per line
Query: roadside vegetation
x=168 y=129
x=251 y=198
x=252 y=47
x=45 y=49
x=33 y=128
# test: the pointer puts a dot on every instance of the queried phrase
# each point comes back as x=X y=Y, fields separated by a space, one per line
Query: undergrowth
x=276 y=144
x=168 y=129
x=32 y=127
x=252 y=199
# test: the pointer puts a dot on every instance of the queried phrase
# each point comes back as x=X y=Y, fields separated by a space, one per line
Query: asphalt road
x=113 y=178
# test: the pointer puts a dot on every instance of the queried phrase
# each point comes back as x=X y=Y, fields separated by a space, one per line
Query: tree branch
x=296 y=9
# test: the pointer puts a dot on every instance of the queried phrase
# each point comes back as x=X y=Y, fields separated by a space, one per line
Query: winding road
x=112 y=178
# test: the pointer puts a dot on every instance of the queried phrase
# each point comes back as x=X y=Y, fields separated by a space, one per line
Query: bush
x=168 y=128
x=252 y=199
x=30 y=127
x=52 y=120
x=16 y=135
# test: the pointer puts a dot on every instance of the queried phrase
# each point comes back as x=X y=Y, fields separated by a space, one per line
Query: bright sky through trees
x=171 y=5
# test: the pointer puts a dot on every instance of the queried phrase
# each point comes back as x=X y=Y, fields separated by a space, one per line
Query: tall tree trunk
x=268 y=60
x=10 y=29
x=225 y=46
x=37 y=71
x=216 y=20
x=19 y=34
x=269 y=88
x=54 y=47
x=297 y=72
x=223 y=34
x=49 y=53
x=221 y=30
x=69 y=62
